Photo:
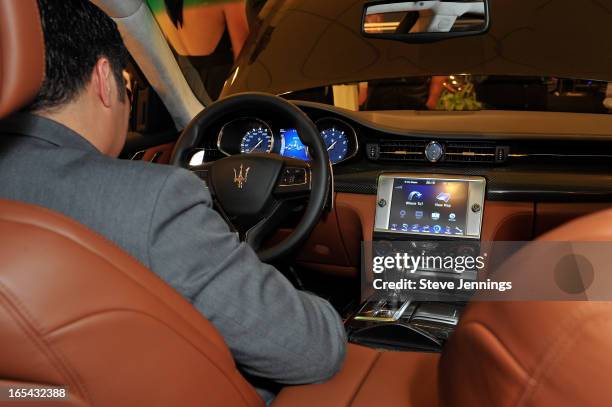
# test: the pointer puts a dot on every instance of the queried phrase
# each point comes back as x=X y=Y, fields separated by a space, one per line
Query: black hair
x=77 y=34
x=175 y=11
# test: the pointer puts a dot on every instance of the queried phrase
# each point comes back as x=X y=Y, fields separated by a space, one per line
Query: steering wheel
x=255 y=192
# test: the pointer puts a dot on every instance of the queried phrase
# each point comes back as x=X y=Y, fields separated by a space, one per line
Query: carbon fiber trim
x=356 y=188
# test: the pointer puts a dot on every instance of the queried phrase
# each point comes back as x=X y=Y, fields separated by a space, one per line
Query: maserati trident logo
x=239 y=178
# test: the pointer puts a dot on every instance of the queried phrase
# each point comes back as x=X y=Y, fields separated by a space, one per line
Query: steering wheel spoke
x=203 y=172
x=263 y=229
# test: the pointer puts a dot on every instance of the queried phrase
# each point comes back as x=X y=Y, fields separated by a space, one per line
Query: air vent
x=402 y=150
x=454 y=151
x=471 y=152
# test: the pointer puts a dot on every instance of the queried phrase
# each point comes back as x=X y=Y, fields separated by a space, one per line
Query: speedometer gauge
x=245 y=135
x=339 y=137
x=257 y=140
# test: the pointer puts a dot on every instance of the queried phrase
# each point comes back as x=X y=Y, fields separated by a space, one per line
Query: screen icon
x=402 y=213
x=435 y=216
x=415 y=227
x=444 y=197
x=394 y=226
x=418 y=214
x=437 y=229
x=458 y=230
x=452 y=217
x=405 y=227
x=415 y=196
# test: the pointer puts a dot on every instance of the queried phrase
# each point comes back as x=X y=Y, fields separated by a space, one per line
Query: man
x=61 y=155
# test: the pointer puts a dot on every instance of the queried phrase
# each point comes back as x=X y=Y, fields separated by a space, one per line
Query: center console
x=426 y=217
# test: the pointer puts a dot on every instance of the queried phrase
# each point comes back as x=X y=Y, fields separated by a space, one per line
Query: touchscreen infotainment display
x=433 y=205
x=428 y=206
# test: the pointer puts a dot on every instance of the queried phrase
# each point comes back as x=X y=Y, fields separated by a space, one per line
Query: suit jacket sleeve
x=273 y=330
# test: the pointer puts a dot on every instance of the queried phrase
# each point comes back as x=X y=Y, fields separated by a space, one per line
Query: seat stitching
x=487 y=329
x=31 y=328
x=90 y=249
x=84 y=317
x=556 y=350
x=83 y=243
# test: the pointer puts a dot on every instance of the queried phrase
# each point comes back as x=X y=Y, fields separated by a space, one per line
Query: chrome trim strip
x=476 y=195
x=307 y=177
x=563 y=155
x=156 y=156
x=137 y=156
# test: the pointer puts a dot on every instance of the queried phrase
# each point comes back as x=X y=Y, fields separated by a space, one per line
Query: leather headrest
x=534 y=353
x=22 y=54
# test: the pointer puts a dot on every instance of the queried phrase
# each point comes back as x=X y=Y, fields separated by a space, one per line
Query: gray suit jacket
x=162 y=216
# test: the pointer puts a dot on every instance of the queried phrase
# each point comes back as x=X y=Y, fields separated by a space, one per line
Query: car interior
x=77 y=311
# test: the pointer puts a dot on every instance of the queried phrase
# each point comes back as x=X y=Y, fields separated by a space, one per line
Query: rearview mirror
x=427 y=20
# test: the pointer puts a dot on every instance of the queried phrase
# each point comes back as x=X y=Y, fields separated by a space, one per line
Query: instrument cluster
x=251 y=135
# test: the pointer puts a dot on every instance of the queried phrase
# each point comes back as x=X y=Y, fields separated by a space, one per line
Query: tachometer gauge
x=339 y=137
x=257 y=140
x=336 y=143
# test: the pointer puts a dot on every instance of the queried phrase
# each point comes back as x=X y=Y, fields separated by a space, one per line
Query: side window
x=149 y=114
x=150 y=123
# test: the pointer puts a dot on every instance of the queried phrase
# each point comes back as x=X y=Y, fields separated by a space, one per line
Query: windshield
x=467 y=93
x=533 y=62
x=305 y=45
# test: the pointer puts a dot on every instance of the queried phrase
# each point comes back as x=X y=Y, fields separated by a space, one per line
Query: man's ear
x=103 y=82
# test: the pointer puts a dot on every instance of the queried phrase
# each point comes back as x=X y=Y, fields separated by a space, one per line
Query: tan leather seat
x=22 y=57
x=534 y=353
x=75 y=310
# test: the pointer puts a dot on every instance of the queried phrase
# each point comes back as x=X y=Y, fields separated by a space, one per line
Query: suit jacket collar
x=31 y=125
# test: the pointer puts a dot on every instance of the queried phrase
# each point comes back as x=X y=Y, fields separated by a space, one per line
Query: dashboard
x=468 y=176
x=247 y=135
x=550 y=157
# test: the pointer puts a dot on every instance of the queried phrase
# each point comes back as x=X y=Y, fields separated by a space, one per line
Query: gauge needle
x=331 y=146
x=256 y=145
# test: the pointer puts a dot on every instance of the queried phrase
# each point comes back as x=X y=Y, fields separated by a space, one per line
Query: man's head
x=84 y=86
